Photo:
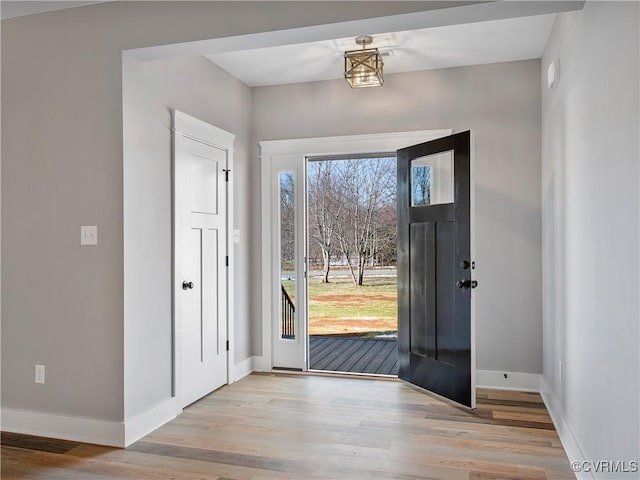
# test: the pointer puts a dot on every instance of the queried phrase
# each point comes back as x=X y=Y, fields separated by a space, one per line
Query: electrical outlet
x=560 y=371
x=236 y=236
x=39 y=373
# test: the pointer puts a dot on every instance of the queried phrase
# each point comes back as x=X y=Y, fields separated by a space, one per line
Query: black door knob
x=464 y=265
x=464 y=283
x=187 y=285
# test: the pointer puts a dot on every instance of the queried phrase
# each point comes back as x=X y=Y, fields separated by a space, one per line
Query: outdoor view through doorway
x=351 y=258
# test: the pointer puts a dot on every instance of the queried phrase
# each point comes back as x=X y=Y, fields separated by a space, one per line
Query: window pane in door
x=287 y=188
x=432 y=179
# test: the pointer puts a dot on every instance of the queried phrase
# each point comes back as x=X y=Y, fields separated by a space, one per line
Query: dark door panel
x=434 y=282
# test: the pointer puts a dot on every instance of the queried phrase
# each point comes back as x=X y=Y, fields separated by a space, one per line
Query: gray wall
x=62 y=161
x=198 y=87
x=590 y=198
x=501 y=104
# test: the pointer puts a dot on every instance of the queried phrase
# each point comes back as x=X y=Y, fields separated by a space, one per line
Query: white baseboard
x=146 y=422
x=88 y=430
x=78 y=429
x=242 y=369
x=567 y=437
x=524 y=382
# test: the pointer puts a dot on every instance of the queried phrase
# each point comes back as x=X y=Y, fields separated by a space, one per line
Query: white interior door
x=200 y=265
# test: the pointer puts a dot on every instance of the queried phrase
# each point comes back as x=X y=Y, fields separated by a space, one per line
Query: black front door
x=434 y=267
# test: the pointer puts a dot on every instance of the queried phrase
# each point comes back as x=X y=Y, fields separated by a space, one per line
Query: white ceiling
x=440 y=47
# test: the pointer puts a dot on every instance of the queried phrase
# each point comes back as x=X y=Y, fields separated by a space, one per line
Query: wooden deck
x=353 y=355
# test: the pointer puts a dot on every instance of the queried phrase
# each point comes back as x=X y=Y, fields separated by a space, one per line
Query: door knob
x=464 y=283
x=187 y=285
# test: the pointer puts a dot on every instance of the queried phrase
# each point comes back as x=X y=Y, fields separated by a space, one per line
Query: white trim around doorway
x=196 y=129
x=300 y=149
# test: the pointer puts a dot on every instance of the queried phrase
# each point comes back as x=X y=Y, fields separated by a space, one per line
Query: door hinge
x=226 y=261
x=227 y=345
x=226 y=174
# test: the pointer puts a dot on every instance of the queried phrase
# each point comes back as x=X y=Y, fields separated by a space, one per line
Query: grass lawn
x=340 y=307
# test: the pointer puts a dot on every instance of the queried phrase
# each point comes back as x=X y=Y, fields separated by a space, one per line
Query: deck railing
x=288 y=316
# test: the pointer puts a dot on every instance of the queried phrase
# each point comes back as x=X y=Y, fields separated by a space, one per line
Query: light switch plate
x=236 y=236
x=39 y=374
x=89 y=235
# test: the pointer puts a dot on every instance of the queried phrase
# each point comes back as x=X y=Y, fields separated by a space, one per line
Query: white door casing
x=202 y=155
x=290 y=155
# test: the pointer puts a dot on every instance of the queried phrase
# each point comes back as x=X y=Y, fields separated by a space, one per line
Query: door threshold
x=329 y=373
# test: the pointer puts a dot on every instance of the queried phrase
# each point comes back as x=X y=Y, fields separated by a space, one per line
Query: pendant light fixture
x=363 y=68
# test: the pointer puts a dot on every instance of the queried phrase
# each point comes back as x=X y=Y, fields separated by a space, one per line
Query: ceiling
x=475 y=43
x=440 y=47
x=12 y=9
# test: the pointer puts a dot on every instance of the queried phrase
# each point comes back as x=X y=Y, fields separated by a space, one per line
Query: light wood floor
x=315 y=427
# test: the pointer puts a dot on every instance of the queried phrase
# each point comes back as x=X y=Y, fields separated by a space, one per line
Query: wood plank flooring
x=353 y=355
x=270 y=426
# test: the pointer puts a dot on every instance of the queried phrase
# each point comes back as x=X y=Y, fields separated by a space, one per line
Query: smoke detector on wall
x=553 y=73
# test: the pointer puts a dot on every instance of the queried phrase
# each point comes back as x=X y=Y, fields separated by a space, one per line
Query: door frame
x=292 y=349
x=300 y=149
x=198 y=130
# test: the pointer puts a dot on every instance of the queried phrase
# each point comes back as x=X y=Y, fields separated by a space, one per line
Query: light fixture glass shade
x=363 y=68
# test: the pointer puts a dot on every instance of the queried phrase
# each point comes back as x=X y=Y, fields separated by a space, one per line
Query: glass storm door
x=289 y=285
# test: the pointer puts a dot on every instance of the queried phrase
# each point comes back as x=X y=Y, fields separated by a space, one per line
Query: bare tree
x=369 y=187
x=385 y=236
x=421 y=183
x=352 y=212
x=325 y=207
x=287 y=221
